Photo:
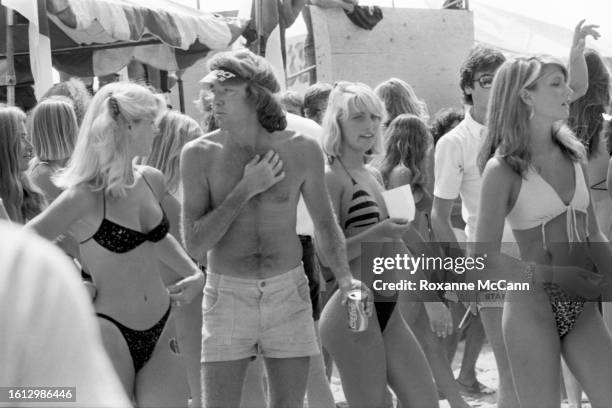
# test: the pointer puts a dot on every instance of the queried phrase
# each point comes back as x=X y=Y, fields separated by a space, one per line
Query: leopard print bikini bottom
x=566 y=309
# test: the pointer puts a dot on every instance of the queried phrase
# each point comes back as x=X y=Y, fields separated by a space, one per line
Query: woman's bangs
x=365 y=103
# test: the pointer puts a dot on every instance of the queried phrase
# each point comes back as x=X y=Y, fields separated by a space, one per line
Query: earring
x=531 y=112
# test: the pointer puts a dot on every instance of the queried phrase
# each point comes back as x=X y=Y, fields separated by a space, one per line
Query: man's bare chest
x=229 y=171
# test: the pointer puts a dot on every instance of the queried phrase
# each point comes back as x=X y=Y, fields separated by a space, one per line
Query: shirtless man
x=241 y=189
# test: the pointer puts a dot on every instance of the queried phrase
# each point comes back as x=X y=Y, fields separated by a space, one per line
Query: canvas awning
x=99 y=37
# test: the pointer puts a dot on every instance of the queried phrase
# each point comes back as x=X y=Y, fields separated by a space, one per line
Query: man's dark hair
x=481 y=59
x=262 y=85
x=315 y=94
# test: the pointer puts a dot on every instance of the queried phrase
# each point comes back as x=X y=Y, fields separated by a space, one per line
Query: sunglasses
x=485 y=81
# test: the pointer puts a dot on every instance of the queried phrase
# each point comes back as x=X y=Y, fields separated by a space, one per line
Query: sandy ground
x=486 y=372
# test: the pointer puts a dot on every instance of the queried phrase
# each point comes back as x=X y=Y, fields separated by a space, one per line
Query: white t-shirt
x=49 y=335
x=457 y=174
x=309 y=128
x=456 y=169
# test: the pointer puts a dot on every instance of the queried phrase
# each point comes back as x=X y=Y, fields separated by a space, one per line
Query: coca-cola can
x=355 y=303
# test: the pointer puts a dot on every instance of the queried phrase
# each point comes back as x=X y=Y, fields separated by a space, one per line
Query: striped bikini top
x=363 y=210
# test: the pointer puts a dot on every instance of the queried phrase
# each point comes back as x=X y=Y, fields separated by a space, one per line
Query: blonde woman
x=399 y=97
x=115 y=210
x=537 y=180
x=54 y=131
x=174 y=130
x=387 y=352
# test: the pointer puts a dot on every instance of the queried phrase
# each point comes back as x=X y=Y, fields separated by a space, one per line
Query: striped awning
x=100 y=37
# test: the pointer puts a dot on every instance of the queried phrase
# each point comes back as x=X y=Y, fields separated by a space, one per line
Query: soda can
x=357 y=319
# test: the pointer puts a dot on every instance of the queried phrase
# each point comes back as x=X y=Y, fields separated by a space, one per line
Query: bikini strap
x=347 y=172
x=150 y=188
x=103 y=204
x=154 y=194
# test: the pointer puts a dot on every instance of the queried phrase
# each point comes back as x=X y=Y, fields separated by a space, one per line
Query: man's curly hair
x=262 y=85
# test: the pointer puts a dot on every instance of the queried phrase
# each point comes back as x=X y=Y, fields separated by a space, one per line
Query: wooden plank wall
x=424 y=47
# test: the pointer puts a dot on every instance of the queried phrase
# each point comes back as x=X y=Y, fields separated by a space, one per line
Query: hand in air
x=261 y=173
x=580 y=34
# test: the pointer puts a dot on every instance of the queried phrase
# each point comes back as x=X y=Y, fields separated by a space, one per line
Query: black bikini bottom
x=141 y=343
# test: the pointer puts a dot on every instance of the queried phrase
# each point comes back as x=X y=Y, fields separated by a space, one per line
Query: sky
x=565 y=13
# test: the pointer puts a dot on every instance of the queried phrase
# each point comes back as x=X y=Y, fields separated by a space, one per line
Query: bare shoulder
x=399 y=176
x=80 y=197
x=155 y=178
x=205 y=143
x=297 y=137
x=499 y=179
x=334 y=178
x=41 y=170
x=302 y=147
x=202 y=147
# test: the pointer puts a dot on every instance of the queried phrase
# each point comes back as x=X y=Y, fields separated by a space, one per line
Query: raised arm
x=204 y=226
x=577 y=69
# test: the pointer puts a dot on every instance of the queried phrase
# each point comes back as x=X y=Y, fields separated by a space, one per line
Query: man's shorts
x=246 y=317
x=311 y=269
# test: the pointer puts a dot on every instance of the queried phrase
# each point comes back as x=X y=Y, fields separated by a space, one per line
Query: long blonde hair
x=407 y=141
x=399 y=97
x=54 y=129
x=102 y=159
x=174 y=131
x=508 y=116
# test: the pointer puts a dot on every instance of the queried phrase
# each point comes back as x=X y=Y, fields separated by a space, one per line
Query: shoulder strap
x=150 y=188
x=103 y=204
x=347 y=172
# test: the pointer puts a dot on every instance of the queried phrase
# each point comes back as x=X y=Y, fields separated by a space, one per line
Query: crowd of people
x=217 y=258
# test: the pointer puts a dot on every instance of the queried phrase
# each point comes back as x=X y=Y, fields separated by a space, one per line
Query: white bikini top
x=538 y=203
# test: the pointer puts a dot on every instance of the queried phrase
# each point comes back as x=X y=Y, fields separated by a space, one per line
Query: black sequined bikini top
x=119 y=239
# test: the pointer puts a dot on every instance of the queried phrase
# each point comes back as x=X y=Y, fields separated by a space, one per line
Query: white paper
x=400 y=202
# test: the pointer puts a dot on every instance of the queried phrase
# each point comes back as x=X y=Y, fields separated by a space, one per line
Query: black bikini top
x=119 y=239
x=363 y=210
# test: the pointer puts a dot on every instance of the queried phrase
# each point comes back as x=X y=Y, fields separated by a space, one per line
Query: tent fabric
x=518 y=33
x=160 y=33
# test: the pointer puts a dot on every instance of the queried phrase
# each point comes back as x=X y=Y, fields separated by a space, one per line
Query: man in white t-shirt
x=50 y=337
x=457 y=174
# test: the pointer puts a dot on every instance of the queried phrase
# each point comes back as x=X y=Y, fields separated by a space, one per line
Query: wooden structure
x=424 y=47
